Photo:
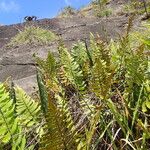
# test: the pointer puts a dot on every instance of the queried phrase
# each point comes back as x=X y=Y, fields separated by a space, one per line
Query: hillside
x=17 y=62
x=81 y=80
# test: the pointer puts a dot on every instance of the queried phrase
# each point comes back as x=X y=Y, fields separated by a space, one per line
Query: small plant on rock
x=32 y=36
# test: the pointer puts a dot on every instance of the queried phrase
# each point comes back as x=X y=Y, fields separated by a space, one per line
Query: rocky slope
x=18 y=63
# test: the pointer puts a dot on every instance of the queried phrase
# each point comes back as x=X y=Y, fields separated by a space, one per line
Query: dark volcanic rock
x=18 y=62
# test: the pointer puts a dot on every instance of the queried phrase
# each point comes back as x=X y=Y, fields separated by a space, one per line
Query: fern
x=10 y=131
x=96 y=98
x=58 y=136
x=99 y=49
x=20 y=141
x=72 y=69
x=101 y=78
x=42 y=93
x=48 y=66
x=63 y=106
x=79 y=53
x=82 y=56
x=27 y=109
x=47 y=71
x=8 y=122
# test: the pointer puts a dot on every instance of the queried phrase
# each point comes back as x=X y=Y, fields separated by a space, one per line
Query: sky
x=13 y=11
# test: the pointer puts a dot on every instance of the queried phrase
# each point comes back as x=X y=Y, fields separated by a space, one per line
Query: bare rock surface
x=18 y=62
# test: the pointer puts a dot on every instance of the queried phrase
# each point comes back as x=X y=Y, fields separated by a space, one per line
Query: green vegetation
x=138 y=7
x=93 y=97
x=32 y=35
x=19 y=120
x=67 y=12
x=100 y=94
x=100 y=8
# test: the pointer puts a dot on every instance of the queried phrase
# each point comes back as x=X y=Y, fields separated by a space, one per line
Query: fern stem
x=88 y=54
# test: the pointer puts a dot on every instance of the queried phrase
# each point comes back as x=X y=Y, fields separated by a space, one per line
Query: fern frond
x=58 y=136
x=63 y=107
x=82 y=56
x=10 y=132
x=20 y=141
x=48 y=66
x=8 y=122
x=64 y=81
x=27 y=109
x=99 y=49
x=79 y=53
x=42 y=93
x=102 y=71
x=101 y=78
x=47 y=70
x=72 y=70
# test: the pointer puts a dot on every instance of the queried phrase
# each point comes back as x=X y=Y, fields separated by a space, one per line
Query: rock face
x=18 y=62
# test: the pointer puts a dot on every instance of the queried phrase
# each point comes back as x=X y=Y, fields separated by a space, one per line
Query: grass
x=137 y=7
x=100 y=9
x=67 y=12
x=32 y=35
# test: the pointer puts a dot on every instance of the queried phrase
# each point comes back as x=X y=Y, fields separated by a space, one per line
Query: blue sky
x=13 y=11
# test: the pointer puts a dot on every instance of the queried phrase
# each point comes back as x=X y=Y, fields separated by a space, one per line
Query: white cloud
x=67 y=2
x=9 y=6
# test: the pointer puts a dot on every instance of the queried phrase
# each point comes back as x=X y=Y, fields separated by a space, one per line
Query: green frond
x=27 y=109
x=47 y=70
x=101 y=79
x=64 y=108
x=10 y=132
x=79 y=53
x=48 y=66
x=8 y=122
x=93 y=46
x=72 y=70
x=82 y=56
x=19 y=141
x=58 y=136
x=42 y=93
x=99 y=49
x=62 y=77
